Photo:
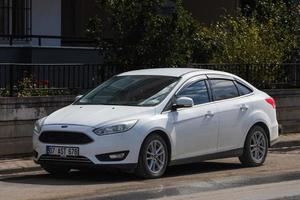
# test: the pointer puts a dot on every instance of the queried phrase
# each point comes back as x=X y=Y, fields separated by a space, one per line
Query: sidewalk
x=288 y=140
x=9 y=166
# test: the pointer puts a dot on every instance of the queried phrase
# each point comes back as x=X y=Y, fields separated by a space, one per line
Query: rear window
x=223 y=89
x=243 y=90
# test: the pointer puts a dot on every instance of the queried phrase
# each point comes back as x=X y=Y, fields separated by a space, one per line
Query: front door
x=196 y=128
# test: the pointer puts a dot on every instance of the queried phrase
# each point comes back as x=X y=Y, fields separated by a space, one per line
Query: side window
x=223 y=89
x=197 y=91
x=243 y=89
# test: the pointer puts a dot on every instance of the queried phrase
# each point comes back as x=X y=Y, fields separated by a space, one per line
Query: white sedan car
x=146 y=120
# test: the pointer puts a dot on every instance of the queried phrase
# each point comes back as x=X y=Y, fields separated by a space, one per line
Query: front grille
x=58 y=137
x=69 y=159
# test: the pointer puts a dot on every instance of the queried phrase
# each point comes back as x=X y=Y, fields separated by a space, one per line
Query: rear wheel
x=256 y=147
x=55 y=170
x=153 y=159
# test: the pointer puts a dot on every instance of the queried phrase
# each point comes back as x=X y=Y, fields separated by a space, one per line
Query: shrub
x=28 y=87
x=265 y=35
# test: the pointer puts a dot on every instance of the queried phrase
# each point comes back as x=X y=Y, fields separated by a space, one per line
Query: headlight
x=115 y=128
x=38 y=125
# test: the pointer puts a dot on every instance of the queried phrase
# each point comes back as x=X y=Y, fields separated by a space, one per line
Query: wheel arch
x=262 y=125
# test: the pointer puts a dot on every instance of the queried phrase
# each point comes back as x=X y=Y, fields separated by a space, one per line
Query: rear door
x=232 y=111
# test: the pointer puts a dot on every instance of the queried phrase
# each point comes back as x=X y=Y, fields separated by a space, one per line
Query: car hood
x=96 y=115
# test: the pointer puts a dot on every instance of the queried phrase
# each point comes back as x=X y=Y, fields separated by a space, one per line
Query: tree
x=267 y=34
x=284 y=14
x=153 y=33
x=148 y=33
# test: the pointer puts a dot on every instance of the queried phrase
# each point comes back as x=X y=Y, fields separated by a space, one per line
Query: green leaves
x=266 y=34
x=154 y=33
x=146 y=33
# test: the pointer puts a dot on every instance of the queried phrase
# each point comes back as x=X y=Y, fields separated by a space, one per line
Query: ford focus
x=147 y=120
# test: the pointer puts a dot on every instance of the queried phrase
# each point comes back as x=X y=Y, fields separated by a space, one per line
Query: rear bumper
x=274 y=133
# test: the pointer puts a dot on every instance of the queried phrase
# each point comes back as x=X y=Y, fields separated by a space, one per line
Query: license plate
x=63 y=151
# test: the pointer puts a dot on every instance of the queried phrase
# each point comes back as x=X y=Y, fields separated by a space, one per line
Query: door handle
x=244 y=107
x=209 y=114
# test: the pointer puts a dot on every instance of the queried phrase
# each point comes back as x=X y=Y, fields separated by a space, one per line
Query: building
x=44 y=31
x=53 y=31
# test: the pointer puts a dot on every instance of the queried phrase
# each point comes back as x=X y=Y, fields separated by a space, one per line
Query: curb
x=11 y=165
x=282 y=144
x=19 y=170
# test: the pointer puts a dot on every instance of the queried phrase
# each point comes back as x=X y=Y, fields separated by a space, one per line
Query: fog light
x=114 y=156
x=117 y=156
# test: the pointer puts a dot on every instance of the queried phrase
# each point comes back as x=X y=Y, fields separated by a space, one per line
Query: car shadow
x=92 y=177
x=200 y=168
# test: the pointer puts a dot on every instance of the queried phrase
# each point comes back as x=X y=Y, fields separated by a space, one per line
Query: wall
x=17 y=116
x=288 y=109
x=46 y=20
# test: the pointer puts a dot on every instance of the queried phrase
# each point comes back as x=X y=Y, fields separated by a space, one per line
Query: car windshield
x=132 y=90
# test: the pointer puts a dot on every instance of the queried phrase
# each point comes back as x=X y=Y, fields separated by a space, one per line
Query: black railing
x=78 y=78
x=65 y=41
x=65 y=78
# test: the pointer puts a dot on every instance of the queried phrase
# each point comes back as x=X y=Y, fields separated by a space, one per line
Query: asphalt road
x=224 y=179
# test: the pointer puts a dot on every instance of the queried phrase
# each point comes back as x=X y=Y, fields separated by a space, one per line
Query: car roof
x=175 y=72
x=182 y=72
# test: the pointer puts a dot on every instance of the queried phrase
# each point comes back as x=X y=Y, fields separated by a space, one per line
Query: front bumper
x=122 y=142
x=78 y=163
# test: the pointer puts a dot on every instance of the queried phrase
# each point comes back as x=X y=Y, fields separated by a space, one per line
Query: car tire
x=153 y=158
x=256 y=148
x=55 y=170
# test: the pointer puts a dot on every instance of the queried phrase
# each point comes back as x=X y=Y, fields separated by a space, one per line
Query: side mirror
x=78 y=97
x=183 y=102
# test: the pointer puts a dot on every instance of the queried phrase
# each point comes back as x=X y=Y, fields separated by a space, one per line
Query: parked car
x=147 y=120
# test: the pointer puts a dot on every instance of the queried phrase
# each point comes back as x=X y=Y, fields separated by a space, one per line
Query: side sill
x=219 y=155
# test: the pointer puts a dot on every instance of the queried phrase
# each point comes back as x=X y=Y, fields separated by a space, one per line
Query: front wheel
x=153 y=158
x=256 y=147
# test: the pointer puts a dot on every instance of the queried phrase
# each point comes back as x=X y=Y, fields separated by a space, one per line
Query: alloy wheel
x=155 y=156
x=258 y=146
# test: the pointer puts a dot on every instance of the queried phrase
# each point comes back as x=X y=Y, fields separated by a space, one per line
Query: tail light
x=271 y=101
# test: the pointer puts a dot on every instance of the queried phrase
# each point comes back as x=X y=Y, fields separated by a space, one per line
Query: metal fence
x=78 y=78
x=67 y=78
